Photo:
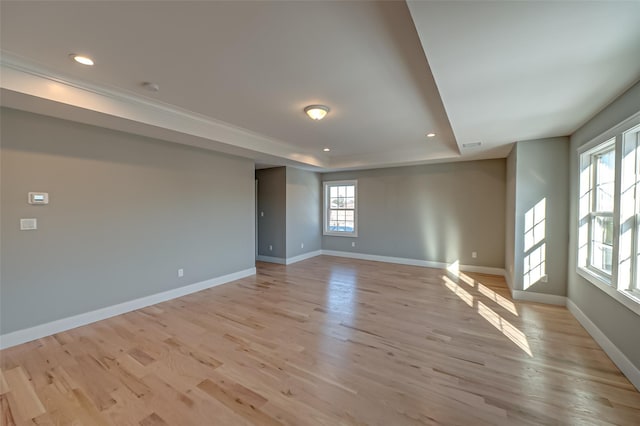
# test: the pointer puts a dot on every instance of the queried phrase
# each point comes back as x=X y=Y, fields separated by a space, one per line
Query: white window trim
x=629 y=298
x=325 y=208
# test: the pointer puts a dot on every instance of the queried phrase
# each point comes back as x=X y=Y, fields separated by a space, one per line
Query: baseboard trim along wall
x=414 y=262
x=619 y=359
x=271 y=259
x=289 y=260
x=303 y=256
x=529 y=296
x=28 y=334
x=377 y=258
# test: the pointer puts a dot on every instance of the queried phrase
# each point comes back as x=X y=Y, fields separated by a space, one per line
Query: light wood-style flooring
x=326 y=341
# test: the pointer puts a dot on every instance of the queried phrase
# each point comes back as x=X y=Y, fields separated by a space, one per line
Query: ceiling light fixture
x=430 y=135
x=327 y=149
x=84 y=60
x=316 y=112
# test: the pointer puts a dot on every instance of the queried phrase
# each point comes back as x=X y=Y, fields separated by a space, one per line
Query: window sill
x=340 y=234
x=629 y=299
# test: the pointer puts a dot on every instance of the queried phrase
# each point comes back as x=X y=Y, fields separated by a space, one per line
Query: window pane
x=604 y=197
x=351 y=191
x=333 y=192
x=602 y=243
x=605 y=175
x=350 y=203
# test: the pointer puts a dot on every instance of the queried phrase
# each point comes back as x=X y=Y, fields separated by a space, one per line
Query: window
x=629 y=246
x=340 y=208
x=609 y=213
x=601 y=214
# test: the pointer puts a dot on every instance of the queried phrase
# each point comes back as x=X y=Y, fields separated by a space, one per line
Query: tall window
x=340 y=208
x=629 y=251
x=601 y=215
x=609 y=214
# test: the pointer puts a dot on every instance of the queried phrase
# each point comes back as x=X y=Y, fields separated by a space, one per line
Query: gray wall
x=304 y=212
x=125 y=213
x=510 y=215
x=618 y=323
x=439 y=212
x=541 y=174
x=272 y=212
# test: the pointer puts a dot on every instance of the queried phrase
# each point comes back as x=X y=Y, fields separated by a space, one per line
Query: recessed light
x=81 y=59
x=316 y=112
x=327 y=149
x=471 y=144
x=430 y=135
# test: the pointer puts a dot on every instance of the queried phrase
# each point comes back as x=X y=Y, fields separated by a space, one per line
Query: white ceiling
x=235 y=76
x=519 y=70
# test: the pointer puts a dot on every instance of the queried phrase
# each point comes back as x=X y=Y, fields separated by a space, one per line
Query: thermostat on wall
x=38 y=198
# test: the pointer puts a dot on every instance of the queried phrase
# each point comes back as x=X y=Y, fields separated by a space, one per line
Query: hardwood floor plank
x=27 y=403
x=4 y=387
x=6 y=415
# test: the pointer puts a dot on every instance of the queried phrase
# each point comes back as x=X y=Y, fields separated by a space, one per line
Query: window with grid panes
x=601 y=226
x=340 y=208
x=609 y=213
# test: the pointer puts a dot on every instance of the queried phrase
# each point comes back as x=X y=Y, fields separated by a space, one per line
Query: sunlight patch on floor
x=505 y=327
x=500 y=300
x=510 y=331
x=458 y=291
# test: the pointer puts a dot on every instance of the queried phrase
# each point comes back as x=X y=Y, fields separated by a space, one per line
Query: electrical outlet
x=474 y=254
x=544 y=279
x=301 y=245
x=261 y=214
x=270 y=247
x=180 y=273
x=353 y=243
x=30 y=224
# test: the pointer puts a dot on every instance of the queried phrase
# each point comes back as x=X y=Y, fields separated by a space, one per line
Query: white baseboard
x=508 y=278
x=414 y=262
x=481 y=269
x=270 y=259
x=529 y=296
x=619 y=359
x=28 y=334
x=303 y=256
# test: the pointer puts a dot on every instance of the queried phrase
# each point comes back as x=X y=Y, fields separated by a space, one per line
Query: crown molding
x=51 y=93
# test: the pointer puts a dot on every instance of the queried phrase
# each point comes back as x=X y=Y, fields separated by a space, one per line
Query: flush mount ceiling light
x=430 y=135
x=316 y=112
x=81 y=59
x=327 y=149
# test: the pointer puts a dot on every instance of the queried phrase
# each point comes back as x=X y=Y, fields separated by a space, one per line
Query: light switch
x=38 y=198
x=30 y=224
